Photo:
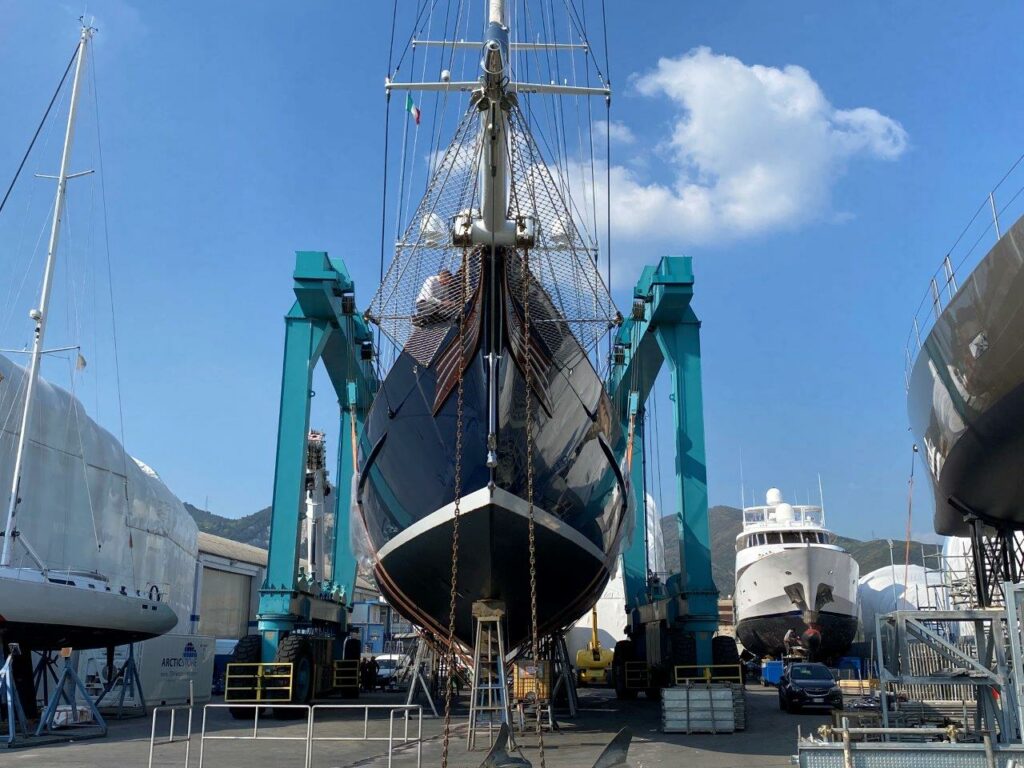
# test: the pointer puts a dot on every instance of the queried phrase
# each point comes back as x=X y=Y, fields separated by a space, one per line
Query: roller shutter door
x=224 y=604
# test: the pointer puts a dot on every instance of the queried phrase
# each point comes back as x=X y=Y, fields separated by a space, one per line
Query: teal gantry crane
x=672 y=623
x=302 y=615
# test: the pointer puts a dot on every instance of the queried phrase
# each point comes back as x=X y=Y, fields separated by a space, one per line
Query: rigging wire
x=608 y=198
x=39 y=128
x=113 y=313
x=412 y=35
x=437 y=94
x=402 y=163
x=608 y=149
x=910 y=514
x=387 y=123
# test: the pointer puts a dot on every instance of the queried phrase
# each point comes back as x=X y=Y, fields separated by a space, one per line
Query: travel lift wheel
x=247 y=651
x=623 y=653
x=295 y=650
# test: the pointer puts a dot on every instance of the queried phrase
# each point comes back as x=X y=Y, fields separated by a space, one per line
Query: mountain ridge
x=725 y=522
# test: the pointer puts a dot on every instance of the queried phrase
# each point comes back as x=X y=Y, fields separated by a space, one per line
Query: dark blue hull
x=407 y=462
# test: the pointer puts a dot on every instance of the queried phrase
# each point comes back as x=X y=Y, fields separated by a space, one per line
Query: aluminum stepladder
x=489 y=692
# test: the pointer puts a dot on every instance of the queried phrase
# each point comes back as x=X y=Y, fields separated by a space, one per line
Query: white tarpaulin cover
x=876 y=594
x=86 y=505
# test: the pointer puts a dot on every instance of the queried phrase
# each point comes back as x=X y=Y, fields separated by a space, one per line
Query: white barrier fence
x=170 y=731
x=306 y=716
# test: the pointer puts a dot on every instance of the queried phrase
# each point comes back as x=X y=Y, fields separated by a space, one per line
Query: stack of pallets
x=703 y=708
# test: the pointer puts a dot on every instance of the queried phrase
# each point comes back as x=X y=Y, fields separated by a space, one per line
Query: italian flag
x=411 y=108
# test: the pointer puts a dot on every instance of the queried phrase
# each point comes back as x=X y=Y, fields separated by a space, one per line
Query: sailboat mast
x=493 y=227
x=496 y=11
x=39 y=316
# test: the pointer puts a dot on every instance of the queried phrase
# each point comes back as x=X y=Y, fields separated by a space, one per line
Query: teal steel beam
x=680 y=343
x=344 y=574
x=634 y=556
x=303 y=340
x=321 y=325
x=662 y=328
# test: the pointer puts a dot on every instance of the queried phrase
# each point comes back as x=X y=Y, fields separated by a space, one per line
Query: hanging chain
x=450 y=650
x=528 y=368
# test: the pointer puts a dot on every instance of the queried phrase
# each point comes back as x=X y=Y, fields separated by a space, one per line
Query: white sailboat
x=96 y=550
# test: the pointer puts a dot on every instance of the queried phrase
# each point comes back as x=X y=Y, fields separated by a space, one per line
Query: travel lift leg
x=322 y=325
x=663 y=328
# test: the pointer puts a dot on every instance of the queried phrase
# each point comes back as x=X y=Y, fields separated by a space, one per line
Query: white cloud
x=620 y=132
x=753 y=149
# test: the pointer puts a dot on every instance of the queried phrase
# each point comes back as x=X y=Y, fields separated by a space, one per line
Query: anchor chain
x=528 y=368
x=450 y=650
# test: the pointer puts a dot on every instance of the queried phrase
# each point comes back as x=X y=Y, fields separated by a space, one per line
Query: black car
x=808 y=685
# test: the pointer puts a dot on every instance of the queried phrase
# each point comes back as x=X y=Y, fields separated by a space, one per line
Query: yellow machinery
x=593 y=662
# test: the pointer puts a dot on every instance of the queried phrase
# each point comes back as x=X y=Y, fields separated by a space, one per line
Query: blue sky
x=234 y=135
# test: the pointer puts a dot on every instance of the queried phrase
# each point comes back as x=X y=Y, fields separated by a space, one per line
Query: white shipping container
x=166 y=665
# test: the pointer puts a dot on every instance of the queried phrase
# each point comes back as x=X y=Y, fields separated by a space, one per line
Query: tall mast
x=493 y=228
x=39 y=316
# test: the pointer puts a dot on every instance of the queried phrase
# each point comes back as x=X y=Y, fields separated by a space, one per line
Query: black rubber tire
x=782 y=704
x=248 y=650
x=295 y=649
x=793 y=708
x=623 y=652
x=683 y=652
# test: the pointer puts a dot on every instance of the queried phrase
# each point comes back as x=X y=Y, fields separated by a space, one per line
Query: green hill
x=726 y=523
x=252 y=529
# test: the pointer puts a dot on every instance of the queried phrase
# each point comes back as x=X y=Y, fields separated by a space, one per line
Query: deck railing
x=1000 y=207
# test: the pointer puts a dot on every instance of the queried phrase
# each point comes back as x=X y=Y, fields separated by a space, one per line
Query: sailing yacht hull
x=414 y=568
x=119 y=547
x=90 y=616
x=407 y=482
x=966 y=395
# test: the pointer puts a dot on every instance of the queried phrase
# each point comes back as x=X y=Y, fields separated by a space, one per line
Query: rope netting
x=427 y=265
x=426 y=248
x=560 y=262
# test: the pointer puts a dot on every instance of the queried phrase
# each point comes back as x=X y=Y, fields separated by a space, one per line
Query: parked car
x=805 y=684
x=389 y=669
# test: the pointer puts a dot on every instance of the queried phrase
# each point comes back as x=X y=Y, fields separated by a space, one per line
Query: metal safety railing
x=345 y=673
x=963 y=256
x=258 y=682
x=309 y=739
x=707 y=673
x=406 y=711
x=173 y=710
x=637 y=674
x=255 y=735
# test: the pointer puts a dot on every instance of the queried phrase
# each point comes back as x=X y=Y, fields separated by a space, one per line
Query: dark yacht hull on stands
x=407 y=470
x=966 y=395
